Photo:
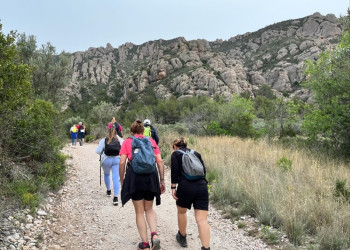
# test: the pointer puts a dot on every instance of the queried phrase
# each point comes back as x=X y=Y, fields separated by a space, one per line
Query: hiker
x=150 y=131
x=81 y=133
x=73 y=133
x=142 y=188
x=116 y=126
x=187 y=192
x=108 y=148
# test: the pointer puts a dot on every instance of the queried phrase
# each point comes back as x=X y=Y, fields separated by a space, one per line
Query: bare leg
x=140 y=219
x=203 y=226
x=150 y=215
x=182 y=220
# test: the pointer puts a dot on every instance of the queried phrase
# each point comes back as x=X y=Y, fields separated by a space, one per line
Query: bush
x=35 y=138
x=341 y=191
x=284 y=164
x=89 y=138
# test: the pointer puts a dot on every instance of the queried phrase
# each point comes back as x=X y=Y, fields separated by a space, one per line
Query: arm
x=175 y=169
x=121 y=129
x=160 y=165
x=100 y=147
x=154 y=135
x=122 y=164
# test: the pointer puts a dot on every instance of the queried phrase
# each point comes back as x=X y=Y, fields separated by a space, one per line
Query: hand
x=173 y=193
x=162 y=187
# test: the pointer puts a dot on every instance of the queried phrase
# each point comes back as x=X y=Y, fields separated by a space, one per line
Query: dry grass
x=299 y=199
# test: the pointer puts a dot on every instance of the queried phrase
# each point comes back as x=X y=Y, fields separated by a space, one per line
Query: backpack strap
x=183 y=152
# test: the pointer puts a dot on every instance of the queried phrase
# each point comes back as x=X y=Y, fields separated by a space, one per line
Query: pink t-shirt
x=110 y=125
x=127 y=150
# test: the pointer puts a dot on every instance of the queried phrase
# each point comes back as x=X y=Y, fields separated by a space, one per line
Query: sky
x=76 y=25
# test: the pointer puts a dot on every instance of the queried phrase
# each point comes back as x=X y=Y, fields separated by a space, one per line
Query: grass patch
x=303 y=195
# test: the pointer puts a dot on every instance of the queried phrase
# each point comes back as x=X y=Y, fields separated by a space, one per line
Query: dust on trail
x=87 y=219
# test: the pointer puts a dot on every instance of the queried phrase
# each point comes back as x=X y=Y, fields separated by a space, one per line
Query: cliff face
x=274 y=55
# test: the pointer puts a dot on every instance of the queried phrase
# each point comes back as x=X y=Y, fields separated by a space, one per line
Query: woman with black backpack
x=108 y=149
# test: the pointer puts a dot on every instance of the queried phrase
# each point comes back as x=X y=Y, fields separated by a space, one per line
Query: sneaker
x=181 y=239
x=115 y=201
x=204 y=248
x=109 y=192
x=143 y=245
x=155 y=242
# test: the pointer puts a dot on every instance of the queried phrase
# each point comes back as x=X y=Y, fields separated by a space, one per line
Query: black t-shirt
x=176 y=165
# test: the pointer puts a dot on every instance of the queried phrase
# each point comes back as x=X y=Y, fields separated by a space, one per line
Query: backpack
x=82 y=129
x=147 y=131
x=117 y=128
x=74 y=130
x=113 y=148
x=143 y=160
x=193 y=168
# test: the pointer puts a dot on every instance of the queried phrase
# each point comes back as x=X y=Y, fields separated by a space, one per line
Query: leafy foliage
x=328 y=78
x=51 y=73
x=29 y=145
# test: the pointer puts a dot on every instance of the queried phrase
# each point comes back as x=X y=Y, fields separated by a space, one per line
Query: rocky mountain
x=274 y=55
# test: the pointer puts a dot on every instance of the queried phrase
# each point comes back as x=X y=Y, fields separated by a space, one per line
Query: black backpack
x=113 y=148
x=117 y=128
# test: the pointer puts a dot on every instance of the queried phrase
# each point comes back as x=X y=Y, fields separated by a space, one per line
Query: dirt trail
x=86 y=218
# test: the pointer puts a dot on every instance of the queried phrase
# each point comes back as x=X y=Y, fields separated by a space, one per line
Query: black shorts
x=195 y=193
x=143 y=195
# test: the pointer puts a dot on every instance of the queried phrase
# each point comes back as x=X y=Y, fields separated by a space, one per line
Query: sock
x=154 y=233
x=145 y=244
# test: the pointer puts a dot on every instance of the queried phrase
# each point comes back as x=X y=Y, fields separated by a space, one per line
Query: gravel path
x=86 y=218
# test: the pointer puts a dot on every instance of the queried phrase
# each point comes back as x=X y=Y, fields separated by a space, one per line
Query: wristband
x=173 y=187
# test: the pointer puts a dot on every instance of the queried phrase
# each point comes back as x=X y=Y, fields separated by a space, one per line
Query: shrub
x=29 y=200
x=89 y=138
x=341 y=191
x=284 y=164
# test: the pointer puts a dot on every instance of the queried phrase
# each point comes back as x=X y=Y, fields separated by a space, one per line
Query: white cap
x=147 y=121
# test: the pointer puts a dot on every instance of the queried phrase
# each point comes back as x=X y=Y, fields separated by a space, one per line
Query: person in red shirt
x=142 y=188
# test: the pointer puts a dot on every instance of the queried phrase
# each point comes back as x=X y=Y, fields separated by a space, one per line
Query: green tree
x=99 y=117
x=168 y=111
x=26 y=47
x=28 y=130
x=237 y=117
x=287 y=116
x=328 y=79
x=266 y=91
x=201 y=116
x=15 y=87
x=51 y=73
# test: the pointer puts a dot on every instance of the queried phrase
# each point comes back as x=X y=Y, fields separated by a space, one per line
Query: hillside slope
x=274 y=55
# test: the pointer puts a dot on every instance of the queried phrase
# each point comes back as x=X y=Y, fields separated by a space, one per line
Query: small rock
x=41 y=213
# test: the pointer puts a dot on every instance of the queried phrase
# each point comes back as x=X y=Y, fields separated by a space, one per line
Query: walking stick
x=100 y=169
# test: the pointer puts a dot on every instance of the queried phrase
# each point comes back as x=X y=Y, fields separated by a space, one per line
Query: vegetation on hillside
x=30 y=162
x=306 y=197
x=303 y=192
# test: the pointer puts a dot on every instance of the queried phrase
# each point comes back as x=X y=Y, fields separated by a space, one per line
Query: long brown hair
x=111 y=133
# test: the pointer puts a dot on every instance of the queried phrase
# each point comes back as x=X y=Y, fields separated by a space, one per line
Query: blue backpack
x=143 y=159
